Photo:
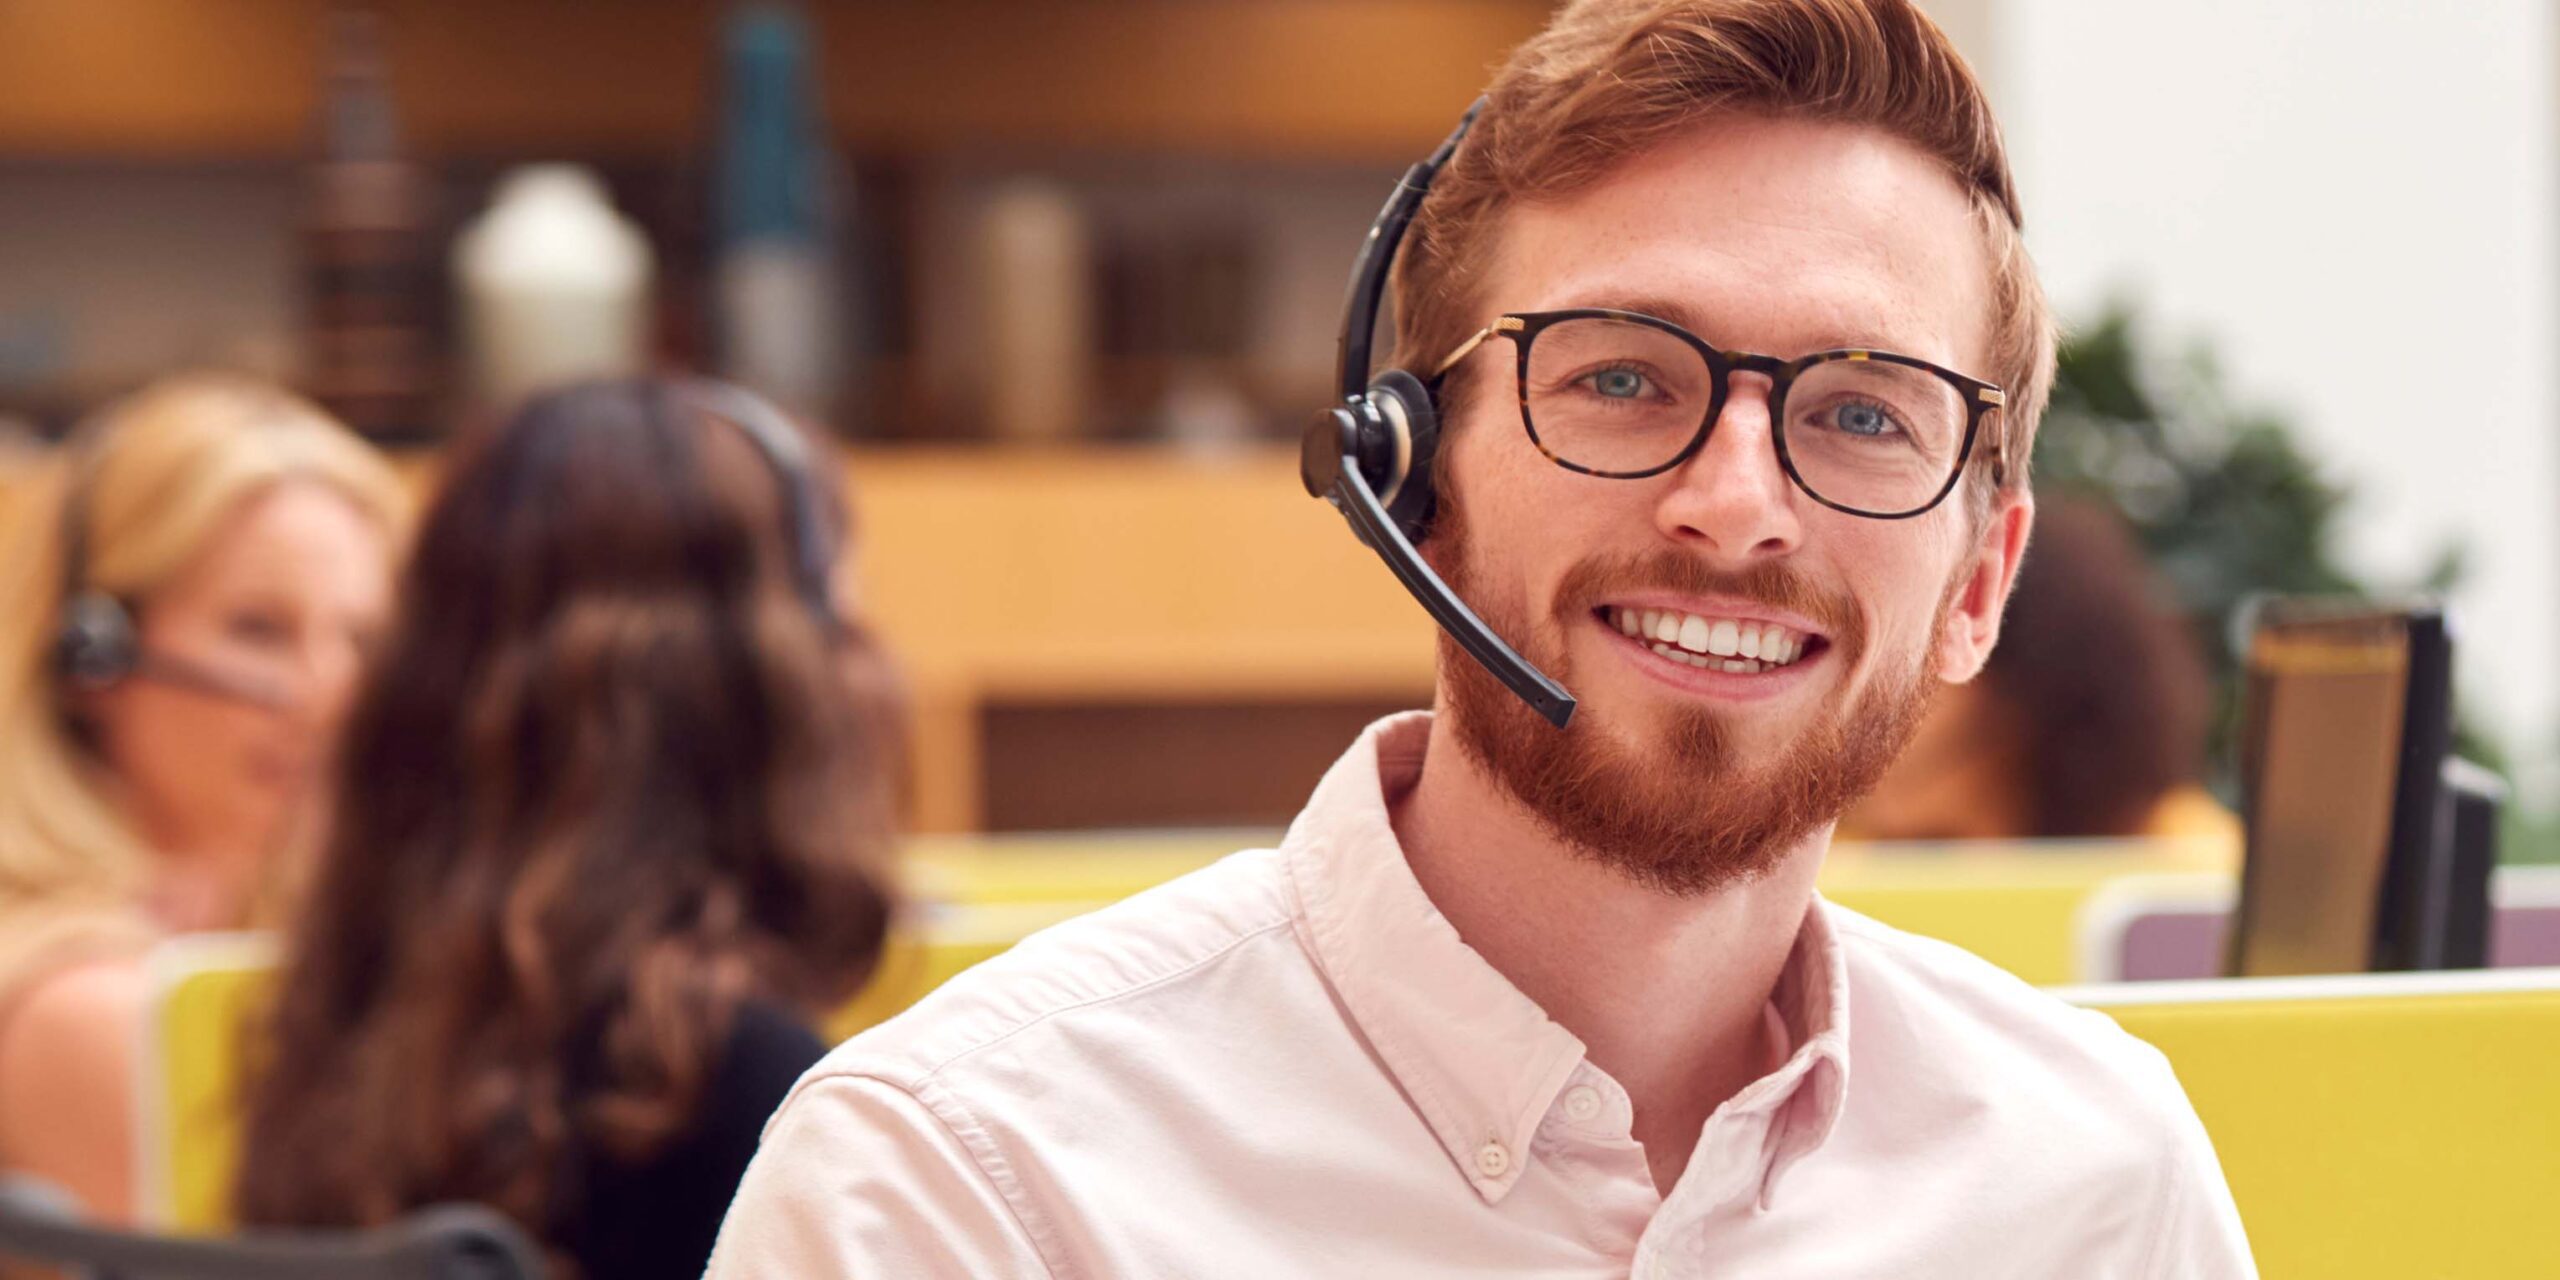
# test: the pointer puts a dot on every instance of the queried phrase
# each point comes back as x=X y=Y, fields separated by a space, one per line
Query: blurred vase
x=1036 y=294
x=554 y=284
x=780 y=325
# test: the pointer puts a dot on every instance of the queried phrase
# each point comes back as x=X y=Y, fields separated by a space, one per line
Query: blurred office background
x=1081 y=265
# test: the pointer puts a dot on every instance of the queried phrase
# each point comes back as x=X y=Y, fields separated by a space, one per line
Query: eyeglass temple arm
x=1507 y=324
x=1997 y=401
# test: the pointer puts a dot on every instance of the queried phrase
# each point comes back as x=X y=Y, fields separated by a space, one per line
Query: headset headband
x=813 y=549
x=1378 y=253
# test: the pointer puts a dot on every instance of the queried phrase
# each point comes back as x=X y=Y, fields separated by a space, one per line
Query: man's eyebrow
x=1659 y=306
x=1689 y=317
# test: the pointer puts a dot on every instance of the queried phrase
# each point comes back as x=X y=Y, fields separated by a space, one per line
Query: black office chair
x=446 y=1242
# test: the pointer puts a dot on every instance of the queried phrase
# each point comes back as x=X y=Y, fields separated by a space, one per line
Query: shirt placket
x=1726 y=1169
x=1586 y=1138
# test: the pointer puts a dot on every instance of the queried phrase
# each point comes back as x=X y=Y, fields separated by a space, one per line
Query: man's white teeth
x=1739 y=666
x=1717 y=644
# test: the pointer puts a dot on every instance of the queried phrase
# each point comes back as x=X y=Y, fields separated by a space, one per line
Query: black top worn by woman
x=660 y=1216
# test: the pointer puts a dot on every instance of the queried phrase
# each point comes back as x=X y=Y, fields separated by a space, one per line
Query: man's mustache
x=1775 y=584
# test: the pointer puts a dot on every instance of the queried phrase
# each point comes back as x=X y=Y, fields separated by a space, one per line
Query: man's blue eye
x=1618 y=384
x=1862 y=420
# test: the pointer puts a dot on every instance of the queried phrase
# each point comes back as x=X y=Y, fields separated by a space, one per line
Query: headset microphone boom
x=1381 y=440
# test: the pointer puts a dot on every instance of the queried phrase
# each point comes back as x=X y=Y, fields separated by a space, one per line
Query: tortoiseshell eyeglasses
x=1624 y=395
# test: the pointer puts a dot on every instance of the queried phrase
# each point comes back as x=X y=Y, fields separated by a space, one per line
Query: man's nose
x=1731 y=499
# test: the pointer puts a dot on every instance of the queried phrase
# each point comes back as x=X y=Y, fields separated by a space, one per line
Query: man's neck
x=1667 y=994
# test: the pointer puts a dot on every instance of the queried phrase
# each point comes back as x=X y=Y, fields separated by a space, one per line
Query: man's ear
x=1979 y=591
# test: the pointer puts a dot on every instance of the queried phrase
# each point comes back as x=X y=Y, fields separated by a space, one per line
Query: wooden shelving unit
x=1133 y=577
x=1132 y=612
x=1344 y=79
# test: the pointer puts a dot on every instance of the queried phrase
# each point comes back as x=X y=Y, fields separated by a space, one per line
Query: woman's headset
x=96 y=644
x=806 y=522
x=1371 y=454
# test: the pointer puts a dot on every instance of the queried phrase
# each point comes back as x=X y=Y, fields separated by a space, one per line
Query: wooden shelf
x=1128 y=575
x=1363 y=79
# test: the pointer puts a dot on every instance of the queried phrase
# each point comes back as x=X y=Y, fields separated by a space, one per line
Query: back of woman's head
x=143 y=490
x=2100 y=678
x=614 y=773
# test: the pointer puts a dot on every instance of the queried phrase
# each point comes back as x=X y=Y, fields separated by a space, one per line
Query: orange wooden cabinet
x=1132 y=576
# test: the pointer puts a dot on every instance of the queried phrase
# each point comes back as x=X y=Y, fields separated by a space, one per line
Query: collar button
x=1493 y=1160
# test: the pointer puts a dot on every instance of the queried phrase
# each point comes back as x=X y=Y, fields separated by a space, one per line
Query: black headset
x=96 y=644
x=1382 y=438
x=807 y=524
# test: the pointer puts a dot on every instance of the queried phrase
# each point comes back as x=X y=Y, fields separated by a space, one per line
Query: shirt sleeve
x=2199 y=1234
x=857 y=1177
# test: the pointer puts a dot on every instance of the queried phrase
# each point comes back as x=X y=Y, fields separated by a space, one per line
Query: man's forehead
x=1774 y=235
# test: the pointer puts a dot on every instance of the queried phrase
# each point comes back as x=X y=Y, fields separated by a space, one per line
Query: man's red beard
x=1678 y=814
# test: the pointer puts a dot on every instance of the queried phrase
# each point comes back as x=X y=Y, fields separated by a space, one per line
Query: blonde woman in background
x=185 y=598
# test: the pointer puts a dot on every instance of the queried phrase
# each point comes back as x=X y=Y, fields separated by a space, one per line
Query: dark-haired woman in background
x=610 y=832
x=2088 y=721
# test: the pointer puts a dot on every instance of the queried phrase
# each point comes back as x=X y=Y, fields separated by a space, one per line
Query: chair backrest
x=2162 y=928
x=2384 y=1125
x=446 y=1242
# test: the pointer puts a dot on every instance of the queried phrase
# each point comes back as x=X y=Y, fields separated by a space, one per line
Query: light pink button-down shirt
x=1288 y=1064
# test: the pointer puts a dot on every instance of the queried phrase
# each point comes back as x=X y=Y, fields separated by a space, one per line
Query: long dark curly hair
x=612 y=776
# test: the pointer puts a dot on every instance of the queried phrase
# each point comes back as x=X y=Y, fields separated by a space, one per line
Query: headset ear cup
x=1405 y=405
x=96 y=646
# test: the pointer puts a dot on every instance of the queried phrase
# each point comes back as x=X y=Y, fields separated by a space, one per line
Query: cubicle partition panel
x=971 y=897
x=207 y=989
x=2387 y=1125
x=2157 y=928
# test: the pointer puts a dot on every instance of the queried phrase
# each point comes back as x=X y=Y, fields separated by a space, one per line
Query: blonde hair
x=149 y=481
x=1607 y=79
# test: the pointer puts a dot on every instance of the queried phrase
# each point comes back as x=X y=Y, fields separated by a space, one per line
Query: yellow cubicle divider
x=1073 y=866
x=2016 y=904
x=937 y=945
x=2398 y=1126
x=208 y=988
x=976 y=896
x=205 y=990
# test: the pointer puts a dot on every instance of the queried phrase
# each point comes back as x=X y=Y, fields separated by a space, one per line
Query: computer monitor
x=2346 y=721
x=2461 y=923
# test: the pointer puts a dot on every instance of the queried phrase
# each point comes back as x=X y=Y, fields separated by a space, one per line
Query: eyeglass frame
x=1523 y=328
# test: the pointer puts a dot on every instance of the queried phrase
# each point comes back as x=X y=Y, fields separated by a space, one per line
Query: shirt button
x=1581 y=1102
x=1493 y=1159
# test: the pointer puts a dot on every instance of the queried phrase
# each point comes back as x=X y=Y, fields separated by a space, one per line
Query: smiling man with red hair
x=1724 y=307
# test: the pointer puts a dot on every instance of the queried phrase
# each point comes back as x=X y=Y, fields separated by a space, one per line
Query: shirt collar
x=1481 y=1061
x=1805 y=1095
